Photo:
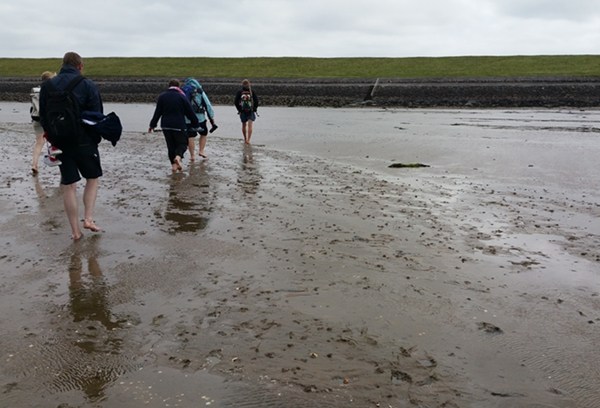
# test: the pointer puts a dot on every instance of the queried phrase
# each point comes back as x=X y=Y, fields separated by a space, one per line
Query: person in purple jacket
x=172 y=107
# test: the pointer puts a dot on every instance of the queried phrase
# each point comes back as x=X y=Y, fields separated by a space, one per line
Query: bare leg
x=192 y=147
x=202 y=146
x=72 y=208
x=89 y=203
x=244 y=132
x=250 y=126
x=37 y=150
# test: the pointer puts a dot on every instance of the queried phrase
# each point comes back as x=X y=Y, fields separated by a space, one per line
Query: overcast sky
x=312 y=28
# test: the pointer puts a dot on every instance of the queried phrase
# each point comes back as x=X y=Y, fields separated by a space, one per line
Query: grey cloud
x=317 y=28
x=573 y=10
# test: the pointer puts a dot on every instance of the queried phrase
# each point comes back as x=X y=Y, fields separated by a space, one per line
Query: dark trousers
x=177 y=143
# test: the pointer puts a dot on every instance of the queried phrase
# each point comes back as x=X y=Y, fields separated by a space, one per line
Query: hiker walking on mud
x=246 y=103
x=62 y=99
x=172 y=107
x=203 y=110
x=37 y=126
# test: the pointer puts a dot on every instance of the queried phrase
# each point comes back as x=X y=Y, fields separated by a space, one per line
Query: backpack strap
x=74 y=82
x=203 y=102
x=202 y=107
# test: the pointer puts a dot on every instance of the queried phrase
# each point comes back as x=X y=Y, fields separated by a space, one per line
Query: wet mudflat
x=303 y=271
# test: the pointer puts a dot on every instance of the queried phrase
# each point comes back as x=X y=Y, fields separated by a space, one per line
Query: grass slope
x=288 y=67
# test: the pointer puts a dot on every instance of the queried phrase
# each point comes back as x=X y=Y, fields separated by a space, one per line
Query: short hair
x=47 y=75
x=174 y=82
x=73 y=59
x=245 y=82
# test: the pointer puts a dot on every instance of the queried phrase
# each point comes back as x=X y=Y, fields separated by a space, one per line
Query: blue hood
x=194 y=83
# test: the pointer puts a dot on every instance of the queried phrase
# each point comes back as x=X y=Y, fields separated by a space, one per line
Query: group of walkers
x=184 y=111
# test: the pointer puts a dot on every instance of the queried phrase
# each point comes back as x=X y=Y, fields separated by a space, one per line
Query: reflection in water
x=189 y=203
x=89 y=297
x=39 y=190
x=49 y=199
x=249 y=176
x=88 y=304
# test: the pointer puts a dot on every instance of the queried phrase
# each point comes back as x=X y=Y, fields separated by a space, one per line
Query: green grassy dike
x=288 y=67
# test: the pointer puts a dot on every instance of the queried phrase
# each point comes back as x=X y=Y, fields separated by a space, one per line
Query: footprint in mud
x=489 y=328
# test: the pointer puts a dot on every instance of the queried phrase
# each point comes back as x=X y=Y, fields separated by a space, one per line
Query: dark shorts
x=246 y=116
x=202 y=130
x=83 y=162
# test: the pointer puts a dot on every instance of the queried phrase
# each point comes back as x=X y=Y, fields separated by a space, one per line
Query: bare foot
x=201 y=154
x=90 y=225
x=77 y=237
x=178 y=163
x=193 y=158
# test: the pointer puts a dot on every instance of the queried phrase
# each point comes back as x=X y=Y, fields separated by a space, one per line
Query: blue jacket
x=172 y=107
x=200 y=99
x=85 y=92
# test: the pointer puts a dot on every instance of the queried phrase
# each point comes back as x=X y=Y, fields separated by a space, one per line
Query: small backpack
x=246 y=101
x=63 y=116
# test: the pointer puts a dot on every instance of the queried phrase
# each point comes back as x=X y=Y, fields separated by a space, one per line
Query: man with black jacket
x=81 y=157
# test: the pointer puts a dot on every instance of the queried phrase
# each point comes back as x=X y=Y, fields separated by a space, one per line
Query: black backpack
x=63 y=115
x=246 y=101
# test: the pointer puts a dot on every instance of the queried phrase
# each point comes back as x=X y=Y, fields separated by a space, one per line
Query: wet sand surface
x=302 y=271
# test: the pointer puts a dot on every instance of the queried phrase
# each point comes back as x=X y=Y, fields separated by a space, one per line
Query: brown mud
x=266 y=277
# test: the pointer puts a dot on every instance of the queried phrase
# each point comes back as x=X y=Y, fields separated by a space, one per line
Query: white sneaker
x=51 y=161
x=54 y=151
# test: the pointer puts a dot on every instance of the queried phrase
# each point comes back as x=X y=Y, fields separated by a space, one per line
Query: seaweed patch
x=407 y=165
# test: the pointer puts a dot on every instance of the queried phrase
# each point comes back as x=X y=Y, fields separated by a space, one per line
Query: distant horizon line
x=313 y=57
